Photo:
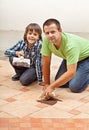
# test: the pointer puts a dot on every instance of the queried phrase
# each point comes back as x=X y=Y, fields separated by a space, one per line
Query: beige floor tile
x=5 y=115
x=82 y=116
x=6 y=92
x=19 y=109
x=50 y=112
x=2 y=102
x=84 y=108
x=68 y=105
x=27 y=97
x=12 y=84
x=31 y=95
x=3 y=67
x=66 y=94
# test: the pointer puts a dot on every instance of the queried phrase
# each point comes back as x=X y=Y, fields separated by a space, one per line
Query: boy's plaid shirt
x=33 y=53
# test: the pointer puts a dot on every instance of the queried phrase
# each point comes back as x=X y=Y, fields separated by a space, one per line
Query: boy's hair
x=52 y=21
x=33 y=27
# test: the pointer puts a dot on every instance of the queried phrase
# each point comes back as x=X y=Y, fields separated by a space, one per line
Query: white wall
x=17 y=14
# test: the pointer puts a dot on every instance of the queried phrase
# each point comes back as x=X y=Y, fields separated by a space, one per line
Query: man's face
x=52 y=33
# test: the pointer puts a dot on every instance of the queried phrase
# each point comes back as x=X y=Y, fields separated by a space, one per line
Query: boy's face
x=32 y=37
x=52 y=33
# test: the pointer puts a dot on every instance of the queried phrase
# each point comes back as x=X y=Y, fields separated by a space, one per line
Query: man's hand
x=42 y=84
x=45 y=87
x=48 y=91
x=47 y=94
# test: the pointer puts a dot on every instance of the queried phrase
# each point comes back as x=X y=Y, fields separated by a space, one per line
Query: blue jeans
x=81 y=80
x=27 y=75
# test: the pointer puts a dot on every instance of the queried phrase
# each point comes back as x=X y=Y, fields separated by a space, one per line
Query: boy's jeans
x=81 y=80
x=27 y=75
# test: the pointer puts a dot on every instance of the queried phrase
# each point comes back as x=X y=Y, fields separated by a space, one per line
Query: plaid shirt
x=33 y=54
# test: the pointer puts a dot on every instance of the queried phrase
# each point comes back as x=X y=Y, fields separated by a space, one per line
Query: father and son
x=74 y=50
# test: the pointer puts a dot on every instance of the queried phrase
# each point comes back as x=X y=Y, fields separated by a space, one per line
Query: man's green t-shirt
x=73 y=48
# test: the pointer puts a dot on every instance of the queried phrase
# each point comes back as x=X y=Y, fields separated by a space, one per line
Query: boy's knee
x=23 y=81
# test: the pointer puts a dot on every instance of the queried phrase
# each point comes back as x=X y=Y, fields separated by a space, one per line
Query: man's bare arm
x=68 y=75
x=46 y=69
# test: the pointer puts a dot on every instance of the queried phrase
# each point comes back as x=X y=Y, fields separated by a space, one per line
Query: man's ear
x=60 y=30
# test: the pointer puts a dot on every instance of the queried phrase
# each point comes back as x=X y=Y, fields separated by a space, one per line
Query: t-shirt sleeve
x=45 y=50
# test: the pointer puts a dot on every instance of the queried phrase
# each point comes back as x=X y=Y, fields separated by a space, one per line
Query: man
x=74 y=69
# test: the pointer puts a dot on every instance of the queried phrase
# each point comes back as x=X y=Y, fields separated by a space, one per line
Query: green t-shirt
x=73 y=48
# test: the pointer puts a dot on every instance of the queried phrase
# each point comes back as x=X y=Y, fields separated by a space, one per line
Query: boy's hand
x=20 y=54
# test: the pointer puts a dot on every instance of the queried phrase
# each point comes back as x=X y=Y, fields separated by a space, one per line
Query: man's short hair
x=52 y=21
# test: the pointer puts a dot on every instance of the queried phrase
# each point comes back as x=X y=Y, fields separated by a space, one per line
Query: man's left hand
x=48 y=91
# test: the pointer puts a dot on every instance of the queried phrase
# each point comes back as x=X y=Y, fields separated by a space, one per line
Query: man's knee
x=77 y=86
x=74 y=86
x=74 y=89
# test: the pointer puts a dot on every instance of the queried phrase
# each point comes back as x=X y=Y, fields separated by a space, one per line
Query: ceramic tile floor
x=19 y=109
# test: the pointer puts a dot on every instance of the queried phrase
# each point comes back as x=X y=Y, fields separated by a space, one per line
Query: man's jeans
x=27 y=75
x=81 y=80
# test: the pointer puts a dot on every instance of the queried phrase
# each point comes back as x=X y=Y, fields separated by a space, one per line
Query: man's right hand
x=45 y=87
